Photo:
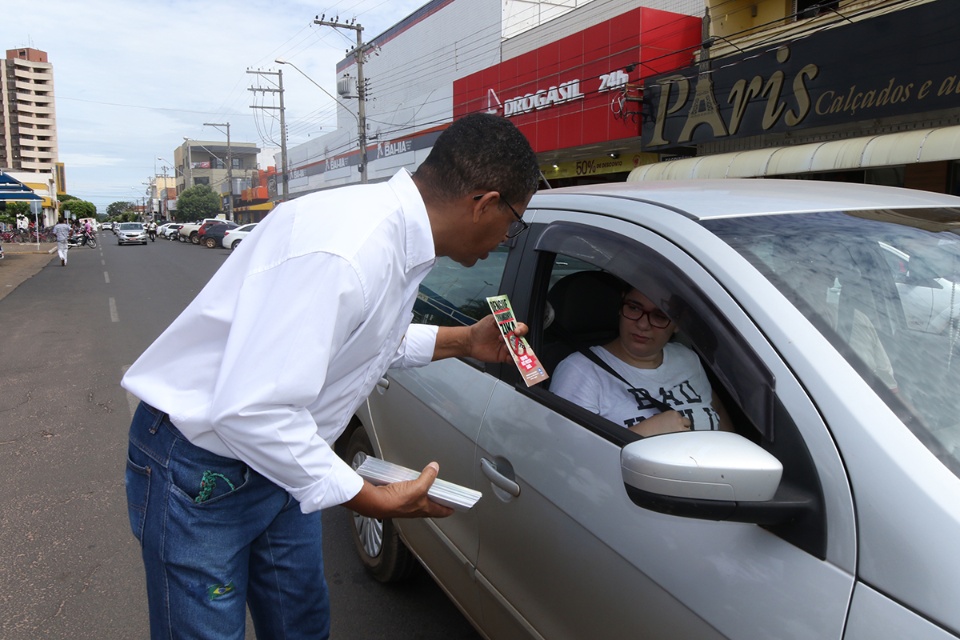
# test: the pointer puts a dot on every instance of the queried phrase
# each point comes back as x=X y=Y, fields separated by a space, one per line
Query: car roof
x=735 y=197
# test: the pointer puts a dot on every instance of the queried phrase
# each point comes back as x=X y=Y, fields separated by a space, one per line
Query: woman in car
x=640 y=379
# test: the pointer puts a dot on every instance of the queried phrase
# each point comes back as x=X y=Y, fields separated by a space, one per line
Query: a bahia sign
x=583 y=88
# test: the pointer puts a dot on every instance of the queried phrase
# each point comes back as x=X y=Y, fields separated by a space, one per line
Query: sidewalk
x=22 y=261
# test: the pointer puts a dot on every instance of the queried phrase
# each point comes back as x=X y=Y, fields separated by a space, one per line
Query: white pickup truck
x=188 y=232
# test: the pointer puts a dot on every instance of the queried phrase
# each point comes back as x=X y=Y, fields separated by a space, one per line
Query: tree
x=116 y=209
x=14 y=210
x=196 y=203
x=79 y=208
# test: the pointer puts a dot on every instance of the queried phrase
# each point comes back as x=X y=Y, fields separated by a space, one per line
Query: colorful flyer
x=526 y=361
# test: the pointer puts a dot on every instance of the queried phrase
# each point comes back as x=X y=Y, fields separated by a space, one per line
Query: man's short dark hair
x=480 y=152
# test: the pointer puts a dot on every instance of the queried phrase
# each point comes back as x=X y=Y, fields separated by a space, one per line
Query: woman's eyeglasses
x=633 y=312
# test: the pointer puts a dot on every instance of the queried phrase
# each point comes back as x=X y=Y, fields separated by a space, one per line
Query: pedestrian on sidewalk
x=231 y=449
x=62 y=231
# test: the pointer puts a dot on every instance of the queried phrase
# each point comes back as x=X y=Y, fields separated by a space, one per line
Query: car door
x=434 y=413
x=564 y=550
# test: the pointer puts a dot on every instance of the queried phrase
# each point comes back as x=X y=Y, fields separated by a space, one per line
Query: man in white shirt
x=230 y=458
x=62 y=232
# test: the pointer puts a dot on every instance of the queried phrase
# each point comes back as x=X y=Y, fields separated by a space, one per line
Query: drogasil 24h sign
x=583 y=88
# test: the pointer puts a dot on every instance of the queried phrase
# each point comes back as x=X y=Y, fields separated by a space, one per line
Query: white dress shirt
x=271 y=360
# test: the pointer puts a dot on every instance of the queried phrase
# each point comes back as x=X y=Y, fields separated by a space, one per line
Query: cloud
x=132 y=79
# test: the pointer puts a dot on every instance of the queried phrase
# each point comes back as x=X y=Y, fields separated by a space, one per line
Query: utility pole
x=358 y=53
x=163 y=194
x=284 y=178
x=189 y=182
x=229 y=166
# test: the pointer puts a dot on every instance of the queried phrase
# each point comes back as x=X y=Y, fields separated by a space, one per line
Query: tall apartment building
x=28 y=127
x=28 y=119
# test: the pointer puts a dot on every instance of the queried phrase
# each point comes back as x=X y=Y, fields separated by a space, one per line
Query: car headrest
x=586 y=305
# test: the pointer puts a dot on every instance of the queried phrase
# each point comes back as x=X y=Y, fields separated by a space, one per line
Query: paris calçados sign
x=892 y=65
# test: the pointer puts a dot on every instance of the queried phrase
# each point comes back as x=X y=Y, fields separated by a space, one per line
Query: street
x=70 y=567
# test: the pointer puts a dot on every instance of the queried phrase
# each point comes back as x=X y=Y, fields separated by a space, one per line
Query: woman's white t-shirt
x=679 y=382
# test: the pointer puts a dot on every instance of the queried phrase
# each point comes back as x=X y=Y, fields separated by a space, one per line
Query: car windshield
x=130 y=226
x=882 y=286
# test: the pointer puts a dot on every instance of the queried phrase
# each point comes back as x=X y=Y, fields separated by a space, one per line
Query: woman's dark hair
x=480 y=151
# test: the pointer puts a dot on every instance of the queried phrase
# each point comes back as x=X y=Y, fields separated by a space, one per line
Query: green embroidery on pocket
x=220 y=590
x=208 y=483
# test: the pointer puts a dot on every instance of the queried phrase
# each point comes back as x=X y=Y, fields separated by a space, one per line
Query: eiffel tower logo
x=703 y=110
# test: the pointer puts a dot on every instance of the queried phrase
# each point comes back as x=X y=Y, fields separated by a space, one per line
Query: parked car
x=831 y=512
x=189 y=232
x=233 y=237
x=131 y=233
x=162 y=228
x=212 y=236
x=169 y=230
x=206 y=225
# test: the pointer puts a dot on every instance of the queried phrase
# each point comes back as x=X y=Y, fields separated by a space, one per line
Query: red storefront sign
x=584 y=88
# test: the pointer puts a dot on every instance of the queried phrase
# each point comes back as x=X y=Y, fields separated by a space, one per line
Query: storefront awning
x=13 y=189
x=263 y=206
x=892 y=149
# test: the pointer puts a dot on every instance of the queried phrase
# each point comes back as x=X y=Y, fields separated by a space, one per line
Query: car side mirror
x=710 y=475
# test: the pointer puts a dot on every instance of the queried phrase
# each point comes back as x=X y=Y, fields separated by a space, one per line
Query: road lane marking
x=114 y=317
x=106 y=277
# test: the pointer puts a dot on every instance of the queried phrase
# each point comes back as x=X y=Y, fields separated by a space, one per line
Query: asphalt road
x=69 y=567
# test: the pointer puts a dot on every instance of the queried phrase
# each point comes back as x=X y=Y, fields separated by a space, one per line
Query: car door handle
x=383 y=383
x=499 y=480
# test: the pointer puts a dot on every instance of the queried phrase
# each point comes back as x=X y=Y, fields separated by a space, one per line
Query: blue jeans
x=217 y=536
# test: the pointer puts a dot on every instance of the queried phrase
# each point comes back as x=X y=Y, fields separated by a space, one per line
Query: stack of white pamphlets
x=452 y=495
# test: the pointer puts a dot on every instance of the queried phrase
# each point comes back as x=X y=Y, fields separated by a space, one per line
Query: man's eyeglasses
x=518 y=226
x=633 y=312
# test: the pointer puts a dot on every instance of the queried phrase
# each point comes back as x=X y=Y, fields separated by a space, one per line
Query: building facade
x=857 y=90
x=848 y=90
x=28 y=125
x=228 y=169
x=567 y=73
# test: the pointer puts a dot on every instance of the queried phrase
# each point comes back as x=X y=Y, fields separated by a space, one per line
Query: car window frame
x=511 y=267
x=582 y=242
x=634 y=263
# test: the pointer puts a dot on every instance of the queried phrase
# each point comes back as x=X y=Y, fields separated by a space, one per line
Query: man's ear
x=485 y=202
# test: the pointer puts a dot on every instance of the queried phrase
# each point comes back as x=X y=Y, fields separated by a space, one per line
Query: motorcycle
x=153 y=234
x=82 y=239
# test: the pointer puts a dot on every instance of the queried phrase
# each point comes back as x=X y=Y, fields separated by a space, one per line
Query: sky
x=132 y=78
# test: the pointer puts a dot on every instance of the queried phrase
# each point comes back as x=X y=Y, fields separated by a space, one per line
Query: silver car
x=833 y=511
x=131 y=233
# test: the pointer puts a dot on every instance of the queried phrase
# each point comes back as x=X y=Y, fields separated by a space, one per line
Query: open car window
x=453 y=295
x=734 y=368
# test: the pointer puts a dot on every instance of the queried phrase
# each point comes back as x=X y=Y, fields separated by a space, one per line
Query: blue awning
x=13 y=189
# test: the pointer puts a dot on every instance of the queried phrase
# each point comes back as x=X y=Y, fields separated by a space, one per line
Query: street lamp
x=229 y=166
x=361 y=119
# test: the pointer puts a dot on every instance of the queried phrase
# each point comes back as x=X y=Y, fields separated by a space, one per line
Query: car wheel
x=210 y=243
x=194 y=238
x=377 y=541
x=234 y=245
